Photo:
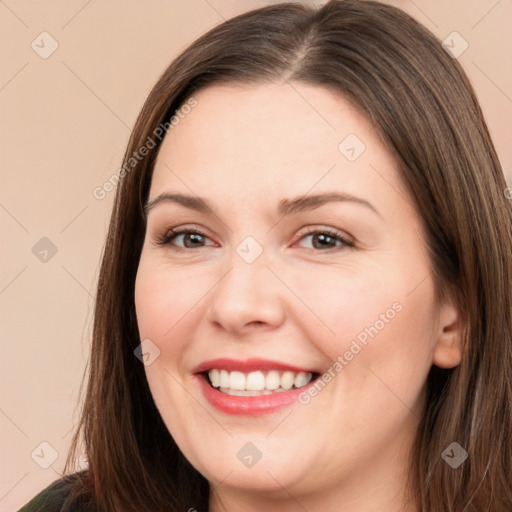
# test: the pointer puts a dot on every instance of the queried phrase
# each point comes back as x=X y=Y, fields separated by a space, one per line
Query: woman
x=305 y=296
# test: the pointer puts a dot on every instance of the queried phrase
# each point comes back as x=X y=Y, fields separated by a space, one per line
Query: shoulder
x=54 y=497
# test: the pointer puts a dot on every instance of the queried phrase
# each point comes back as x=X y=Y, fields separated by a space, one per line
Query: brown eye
x=190 y=238
x=194 y=239
x=327 y=239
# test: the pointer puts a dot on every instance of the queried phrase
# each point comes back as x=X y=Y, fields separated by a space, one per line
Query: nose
x=247 y=297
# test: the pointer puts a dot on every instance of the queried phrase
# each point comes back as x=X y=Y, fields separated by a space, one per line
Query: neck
x=370 y=490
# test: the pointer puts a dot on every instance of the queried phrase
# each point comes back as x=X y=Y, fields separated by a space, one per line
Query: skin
x=244 y=149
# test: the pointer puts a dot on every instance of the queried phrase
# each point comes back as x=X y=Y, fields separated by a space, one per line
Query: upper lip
x=248 y=365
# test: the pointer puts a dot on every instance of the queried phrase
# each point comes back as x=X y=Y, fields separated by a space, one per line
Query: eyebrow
x=286 y=206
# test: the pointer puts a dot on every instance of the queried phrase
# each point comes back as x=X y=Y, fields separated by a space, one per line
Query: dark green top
x=54 y=496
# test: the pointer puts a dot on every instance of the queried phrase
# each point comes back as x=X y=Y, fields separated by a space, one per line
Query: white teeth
x=301 y=379
x=272 y=381
x=236 y=392
x=214 y=378
x=257 y=383
x=224 y=379
x=287 y=380
x=237 y=381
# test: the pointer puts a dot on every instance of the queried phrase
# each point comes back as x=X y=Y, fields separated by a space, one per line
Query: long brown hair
x=422 y=103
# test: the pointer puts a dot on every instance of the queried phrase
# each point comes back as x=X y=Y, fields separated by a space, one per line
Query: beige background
x=65 y=122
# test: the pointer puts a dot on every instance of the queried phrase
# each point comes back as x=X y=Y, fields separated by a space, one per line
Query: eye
x=326 y=239
x=191 y=236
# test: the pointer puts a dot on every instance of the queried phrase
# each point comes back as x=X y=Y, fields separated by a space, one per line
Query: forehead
x=289 y=137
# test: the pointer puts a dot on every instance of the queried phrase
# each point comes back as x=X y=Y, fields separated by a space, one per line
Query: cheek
x=165 y=300
x=348 y=305
x=384 y=364
x=383 y=336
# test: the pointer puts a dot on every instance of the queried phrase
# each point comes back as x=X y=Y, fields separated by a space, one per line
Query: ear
x=449 y=345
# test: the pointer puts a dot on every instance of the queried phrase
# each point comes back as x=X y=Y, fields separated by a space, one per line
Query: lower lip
x=248 y=405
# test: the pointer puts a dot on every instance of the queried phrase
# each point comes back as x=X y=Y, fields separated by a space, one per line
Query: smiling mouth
x=257 y=383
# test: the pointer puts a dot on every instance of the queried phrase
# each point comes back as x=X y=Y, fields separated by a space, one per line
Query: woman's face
x=276 y=291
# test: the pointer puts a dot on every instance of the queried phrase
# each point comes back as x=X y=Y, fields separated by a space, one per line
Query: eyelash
x=168 y=236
